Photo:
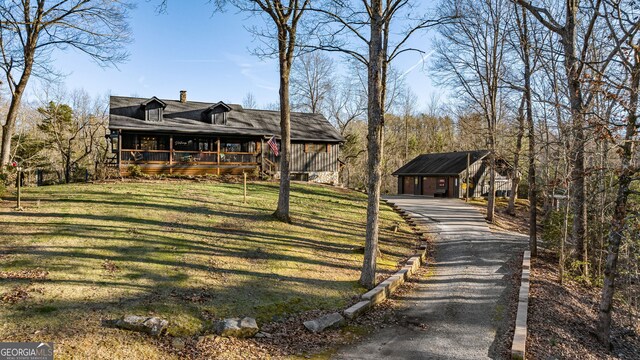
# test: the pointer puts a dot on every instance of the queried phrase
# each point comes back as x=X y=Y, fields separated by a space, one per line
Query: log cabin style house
x=197 y=138
x=445 y=175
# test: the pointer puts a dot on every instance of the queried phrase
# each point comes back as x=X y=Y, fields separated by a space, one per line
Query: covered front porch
x=188 y=154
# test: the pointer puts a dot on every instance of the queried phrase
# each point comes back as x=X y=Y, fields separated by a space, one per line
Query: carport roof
x=452 y=163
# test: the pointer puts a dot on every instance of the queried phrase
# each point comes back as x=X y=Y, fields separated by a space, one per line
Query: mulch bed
x=562 y=319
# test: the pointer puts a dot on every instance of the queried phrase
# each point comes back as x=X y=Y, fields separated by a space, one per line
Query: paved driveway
x=458 y=312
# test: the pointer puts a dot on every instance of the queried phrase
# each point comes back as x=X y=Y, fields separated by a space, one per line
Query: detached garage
x=445 y=175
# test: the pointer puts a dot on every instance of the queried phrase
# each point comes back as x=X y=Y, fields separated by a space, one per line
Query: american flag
x=273 y=145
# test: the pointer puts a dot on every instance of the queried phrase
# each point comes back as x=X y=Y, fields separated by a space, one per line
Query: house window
x=237 y=146
x=184 y=144
x=154 y=115
x=192 y=144
x=219 y=118
x=145 y=142
x=204 y=145
x=148 y=143
x=315 y=148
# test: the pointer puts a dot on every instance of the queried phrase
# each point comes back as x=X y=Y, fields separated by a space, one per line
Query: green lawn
x=192 y=252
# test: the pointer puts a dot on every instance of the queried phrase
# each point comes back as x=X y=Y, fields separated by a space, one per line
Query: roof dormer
x=216 y=114
x=153 y=109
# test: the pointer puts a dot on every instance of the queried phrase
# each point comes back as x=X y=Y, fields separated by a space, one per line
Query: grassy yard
x=191 y=252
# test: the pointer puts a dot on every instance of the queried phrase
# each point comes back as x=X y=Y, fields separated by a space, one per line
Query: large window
x=145 y=142
x=315 y=148
x=237 y=146
x=181 y=143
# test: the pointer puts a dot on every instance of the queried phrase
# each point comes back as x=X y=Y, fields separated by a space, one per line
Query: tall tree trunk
x=374 y=145
x=67 y=165
x=17 y=91
x=573 y=69
x=282 y=211
x=533 y=189
x=8 y=129
x=627 y=172
x=578 y=205
x=491 y=198
x=12 y=115
x=515 y=179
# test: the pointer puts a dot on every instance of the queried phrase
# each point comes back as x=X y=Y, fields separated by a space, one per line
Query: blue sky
x=205 y=53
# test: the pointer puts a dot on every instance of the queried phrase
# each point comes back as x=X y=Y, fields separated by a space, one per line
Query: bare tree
x=408 y=104
x=72 y=133
x=346 y=103
x=249 y=101
x=363 y=30
x=576 y=55
x=623 y=132
x=31 y=30
x=525 y=54
x=279 y=41
x=470 y=58
x=312 y=80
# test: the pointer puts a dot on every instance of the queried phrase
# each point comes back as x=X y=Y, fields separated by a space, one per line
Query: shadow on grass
x=164 y=260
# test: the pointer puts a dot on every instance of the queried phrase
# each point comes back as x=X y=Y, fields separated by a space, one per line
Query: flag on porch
x=273 y=145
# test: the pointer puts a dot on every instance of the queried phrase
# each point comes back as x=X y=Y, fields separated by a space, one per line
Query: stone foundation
x=321 y=177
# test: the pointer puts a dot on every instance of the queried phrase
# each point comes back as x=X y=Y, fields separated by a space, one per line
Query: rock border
x=518 y=347
x=387 y=287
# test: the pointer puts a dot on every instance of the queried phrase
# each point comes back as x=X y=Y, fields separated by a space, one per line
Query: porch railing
x=130 y=156
x=146 y=156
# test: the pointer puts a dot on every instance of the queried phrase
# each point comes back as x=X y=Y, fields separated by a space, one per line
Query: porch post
x=171 y=154
x=261 y=154
x=466 y=198
x=218 y=155
x=119 y=152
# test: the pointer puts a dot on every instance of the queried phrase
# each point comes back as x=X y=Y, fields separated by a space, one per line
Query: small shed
x=445 y=175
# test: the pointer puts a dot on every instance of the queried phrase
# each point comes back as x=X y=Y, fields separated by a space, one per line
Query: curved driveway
x=458 y=312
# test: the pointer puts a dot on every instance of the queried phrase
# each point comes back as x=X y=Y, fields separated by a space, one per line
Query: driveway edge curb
x=518 y=347
x=387 y=287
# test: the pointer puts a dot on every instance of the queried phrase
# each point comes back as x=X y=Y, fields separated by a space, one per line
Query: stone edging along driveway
x=387 y=287
x=518 y=350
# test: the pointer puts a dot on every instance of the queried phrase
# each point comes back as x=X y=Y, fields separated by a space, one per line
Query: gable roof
x=217 y=105
x=154 y=99
x=126 y=113
x=452 y=163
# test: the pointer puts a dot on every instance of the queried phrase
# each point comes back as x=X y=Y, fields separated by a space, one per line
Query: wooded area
x=552 y=88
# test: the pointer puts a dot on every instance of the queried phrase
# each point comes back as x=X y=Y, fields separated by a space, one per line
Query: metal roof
x=452 y=163
x=126 y=113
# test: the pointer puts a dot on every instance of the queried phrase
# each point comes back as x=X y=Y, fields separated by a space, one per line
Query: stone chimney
x=183 y=96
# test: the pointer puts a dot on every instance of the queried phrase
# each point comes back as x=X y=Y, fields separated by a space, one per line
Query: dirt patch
x=562 y=319
x=519 y=222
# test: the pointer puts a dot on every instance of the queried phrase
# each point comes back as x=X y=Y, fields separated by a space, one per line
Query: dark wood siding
x=302 y=161
x=428 y=185
x=479 y=177
x=407 y=185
